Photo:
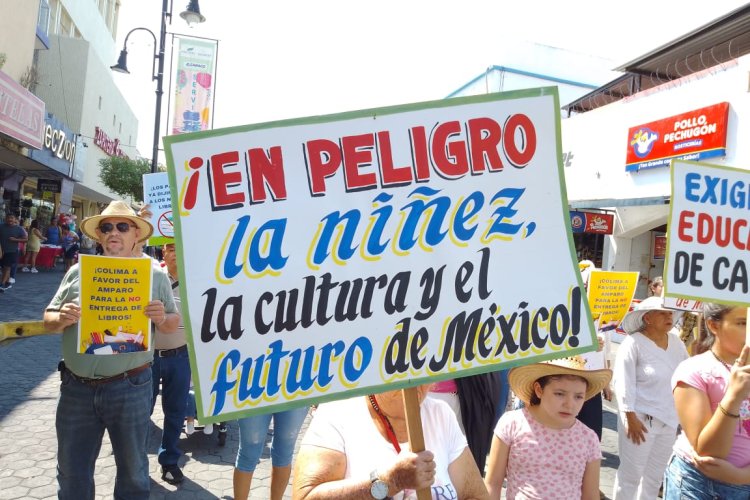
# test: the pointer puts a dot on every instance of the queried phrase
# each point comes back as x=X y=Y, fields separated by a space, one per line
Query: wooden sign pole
x=414 y=426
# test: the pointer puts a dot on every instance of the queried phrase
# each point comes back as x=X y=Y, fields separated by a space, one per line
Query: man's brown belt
x=113 y=378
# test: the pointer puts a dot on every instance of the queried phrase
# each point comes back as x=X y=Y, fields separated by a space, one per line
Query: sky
x=283 y=59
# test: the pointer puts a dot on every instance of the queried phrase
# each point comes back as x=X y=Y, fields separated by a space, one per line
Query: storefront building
x=674 y=103
x=62 y=88
x=686 y=99
x=589 y=230
x=47 y=194
x=77 y=85
x=21 y=128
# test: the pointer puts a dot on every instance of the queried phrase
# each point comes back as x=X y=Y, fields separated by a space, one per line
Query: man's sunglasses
x=122 y=227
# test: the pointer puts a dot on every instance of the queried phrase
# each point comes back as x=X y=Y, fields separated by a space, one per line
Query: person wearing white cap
x=647 y=424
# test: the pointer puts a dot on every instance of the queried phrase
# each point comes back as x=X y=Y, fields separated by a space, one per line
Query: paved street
x=29 y=386
x=31 y=293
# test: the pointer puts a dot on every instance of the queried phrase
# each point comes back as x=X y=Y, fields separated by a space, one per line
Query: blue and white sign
x=58 y=146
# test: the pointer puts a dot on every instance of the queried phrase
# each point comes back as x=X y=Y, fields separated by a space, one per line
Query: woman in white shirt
x=647 y=426
x=358 y=448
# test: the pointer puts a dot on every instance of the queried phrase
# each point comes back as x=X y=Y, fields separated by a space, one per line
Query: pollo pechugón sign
x=332 y=256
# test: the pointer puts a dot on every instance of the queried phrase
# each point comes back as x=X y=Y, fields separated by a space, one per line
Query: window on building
x=121 y=127
x=100 y=103
x=114 y=19
x=42 y=22
x=114 y=120
x=66 y=23
x=54 y=10
x=109 y=12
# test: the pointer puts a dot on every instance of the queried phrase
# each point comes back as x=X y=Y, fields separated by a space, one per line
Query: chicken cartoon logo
x=643 y=141
x=598 y=224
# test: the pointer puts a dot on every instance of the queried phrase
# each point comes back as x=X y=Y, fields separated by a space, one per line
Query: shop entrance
x=38 y=205
x=589 y=247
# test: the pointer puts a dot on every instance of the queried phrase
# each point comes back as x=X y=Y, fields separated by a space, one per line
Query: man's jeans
x=174 y=374
x=83 y=413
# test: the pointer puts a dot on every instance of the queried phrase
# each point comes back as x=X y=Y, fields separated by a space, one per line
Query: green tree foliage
x=124 y=176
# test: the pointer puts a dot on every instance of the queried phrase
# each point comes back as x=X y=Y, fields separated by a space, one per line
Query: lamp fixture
x=122 y=63
x=192 y=13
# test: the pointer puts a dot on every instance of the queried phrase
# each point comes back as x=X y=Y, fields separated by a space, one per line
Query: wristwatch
x=378 y=487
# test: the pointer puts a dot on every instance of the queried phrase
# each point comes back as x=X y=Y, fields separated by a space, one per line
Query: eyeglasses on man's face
x=107 y=227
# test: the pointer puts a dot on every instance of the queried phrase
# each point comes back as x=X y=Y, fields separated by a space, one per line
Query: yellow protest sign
x=610 y=294
x=114 y=292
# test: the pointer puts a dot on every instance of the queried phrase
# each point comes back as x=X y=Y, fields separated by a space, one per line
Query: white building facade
x=703 y=116
x=84 y=116
x=76 y=83
x=682 y=90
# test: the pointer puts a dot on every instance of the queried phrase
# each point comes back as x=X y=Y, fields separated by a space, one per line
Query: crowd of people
x=21 y=241
x=682 y=427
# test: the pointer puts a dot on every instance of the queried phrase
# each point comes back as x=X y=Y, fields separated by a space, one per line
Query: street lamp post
x=192 y=14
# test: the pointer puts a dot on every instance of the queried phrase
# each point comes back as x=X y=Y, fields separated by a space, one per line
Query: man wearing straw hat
x=111 y=393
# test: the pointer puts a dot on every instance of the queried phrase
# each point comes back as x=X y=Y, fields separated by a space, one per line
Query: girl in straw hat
x=542 y=449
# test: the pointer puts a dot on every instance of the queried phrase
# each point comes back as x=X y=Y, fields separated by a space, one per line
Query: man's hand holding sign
x=346 y=255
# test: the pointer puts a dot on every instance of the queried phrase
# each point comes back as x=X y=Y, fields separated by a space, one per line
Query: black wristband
x=725 y=412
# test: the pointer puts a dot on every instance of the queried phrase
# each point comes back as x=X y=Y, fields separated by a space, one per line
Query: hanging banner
x=695 y=135
x=334 y=256
x=708 y=234
x=194 y=85
x=114 y=294
x=592 y=222
x=157 y=195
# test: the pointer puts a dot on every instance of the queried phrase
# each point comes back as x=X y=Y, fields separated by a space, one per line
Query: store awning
x=26 y=166
x=718 y=42
x=90 y=194
x=615 y=202
x=633 y=215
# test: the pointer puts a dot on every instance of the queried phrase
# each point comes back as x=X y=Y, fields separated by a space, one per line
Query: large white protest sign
x=332 y=256
x=709 y=235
